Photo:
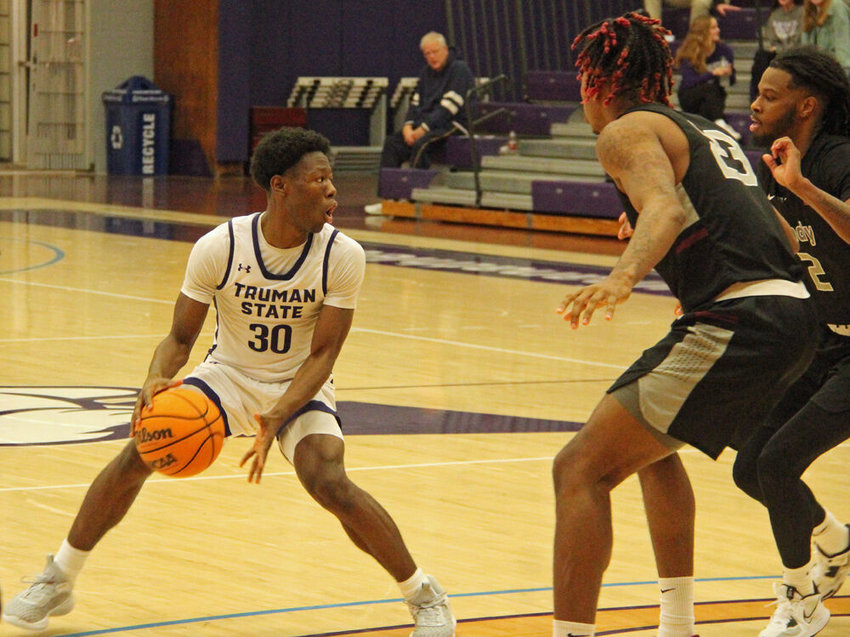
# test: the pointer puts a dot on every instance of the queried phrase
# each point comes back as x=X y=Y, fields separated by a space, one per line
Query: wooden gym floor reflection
x=457 y=386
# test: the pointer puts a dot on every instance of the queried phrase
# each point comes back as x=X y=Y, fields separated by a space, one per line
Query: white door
x=56 y=122
x=5 y=81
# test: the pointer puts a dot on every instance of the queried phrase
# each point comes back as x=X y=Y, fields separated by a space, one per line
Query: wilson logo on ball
x=180 y=433
x=143 y=435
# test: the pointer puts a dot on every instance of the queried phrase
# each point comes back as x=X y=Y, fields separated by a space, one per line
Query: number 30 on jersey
x=278 y=339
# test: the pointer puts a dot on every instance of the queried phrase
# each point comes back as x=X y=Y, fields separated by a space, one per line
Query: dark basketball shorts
x=720 y=371
x=826 y=382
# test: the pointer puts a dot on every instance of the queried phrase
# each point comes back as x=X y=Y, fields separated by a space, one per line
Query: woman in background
x=782 y=31
x=826 y=24
x=707 y=64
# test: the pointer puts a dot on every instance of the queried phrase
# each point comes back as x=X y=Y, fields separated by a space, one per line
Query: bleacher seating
x=553 y=181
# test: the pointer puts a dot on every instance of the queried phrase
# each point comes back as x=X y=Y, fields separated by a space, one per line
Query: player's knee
x=332 y=490
x=567 y=472
x=774 y=470
x=745 y=475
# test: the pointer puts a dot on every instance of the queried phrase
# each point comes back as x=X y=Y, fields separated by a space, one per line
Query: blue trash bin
x=138 y=128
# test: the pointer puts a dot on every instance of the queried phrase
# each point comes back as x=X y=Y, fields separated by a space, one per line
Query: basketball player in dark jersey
x=746 y=333
x=802 y=112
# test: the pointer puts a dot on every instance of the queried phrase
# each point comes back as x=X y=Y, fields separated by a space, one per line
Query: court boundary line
x=294 y=609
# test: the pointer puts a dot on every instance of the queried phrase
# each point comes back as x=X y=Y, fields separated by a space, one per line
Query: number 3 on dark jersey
x=278 y=339
x=730 y=158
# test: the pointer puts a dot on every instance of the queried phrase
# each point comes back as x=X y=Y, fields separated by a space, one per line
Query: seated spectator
x=698 y=7
x=706 y=64
x=437 y=102
x=826 y=25
x=782 y=31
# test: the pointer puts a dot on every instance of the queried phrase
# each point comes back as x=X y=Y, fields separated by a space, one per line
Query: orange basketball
x=181 y=434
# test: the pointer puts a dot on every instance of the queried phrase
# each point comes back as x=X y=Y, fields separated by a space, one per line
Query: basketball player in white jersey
x=285 y=284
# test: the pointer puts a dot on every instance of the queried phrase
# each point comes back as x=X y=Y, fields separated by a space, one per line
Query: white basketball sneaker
x=48 y=594
x=431 y=612
x=830 y=571
x=795 y=616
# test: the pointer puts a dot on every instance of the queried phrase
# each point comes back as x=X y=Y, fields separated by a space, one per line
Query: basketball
x=181 y=434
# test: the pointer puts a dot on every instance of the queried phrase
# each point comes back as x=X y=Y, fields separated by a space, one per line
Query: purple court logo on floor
x=64 y=414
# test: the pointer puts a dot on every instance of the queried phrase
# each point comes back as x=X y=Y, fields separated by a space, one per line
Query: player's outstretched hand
x=151 y=388
x=262 y=443
x=587 y=300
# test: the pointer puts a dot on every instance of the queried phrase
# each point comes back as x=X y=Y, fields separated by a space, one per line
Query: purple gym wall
x=266 y=44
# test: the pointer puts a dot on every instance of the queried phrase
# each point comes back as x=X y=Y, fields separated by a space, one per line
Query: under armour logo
x=247 y=268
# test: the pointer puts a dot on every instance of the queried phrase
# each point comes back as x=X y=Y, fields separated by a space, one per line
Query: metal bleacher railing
x=473 y=96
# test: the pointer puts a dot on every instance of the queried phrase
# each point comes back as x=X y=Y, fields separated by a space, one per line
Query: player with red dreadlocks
x=636 y=61
x=746 y=332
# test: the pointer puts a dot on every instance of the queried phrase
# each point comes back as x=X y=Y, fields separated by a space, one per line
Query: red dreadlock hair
x=632 y=53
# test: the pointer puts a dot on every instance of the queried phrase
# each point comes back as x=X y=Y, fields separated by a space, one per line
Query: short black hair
x=282 y=149
x=819 y=72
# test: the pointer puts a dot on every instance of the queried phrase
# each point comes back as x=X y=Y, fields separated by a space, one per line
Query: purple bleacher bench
x=524 y=119
x=398 y=183
x=458 y=152
x=740 y=25
x=553 y=86
x=576 y=198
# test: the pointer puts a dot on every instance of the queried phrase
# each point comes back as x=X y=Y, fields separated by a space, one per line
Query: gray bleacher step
x=744 y=48
x=455 y=196
x=738 y=102
x=507 y=200
x=742 y=76
x=575 y=130
x=444 y=195
x=575 y=167
x=564 y=148
x=356 y=158
x=512 y=182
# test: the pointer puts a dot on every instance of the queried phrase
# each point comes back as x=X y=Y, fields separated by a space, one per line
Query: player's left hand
x=262 y=443
x=784 y=163
x=607 y=293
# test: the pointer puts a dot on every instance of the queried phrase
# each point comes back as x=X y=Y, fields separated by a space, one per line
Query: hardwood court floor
x=457 y=386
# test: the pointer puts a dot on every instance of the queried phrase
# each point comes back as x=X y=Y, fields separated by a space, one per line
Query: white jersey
x=267 y=299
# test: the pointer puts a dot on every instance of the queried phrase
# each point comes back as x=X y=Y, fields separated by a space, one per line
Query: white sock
x=70 y=560
x=677 y=607
x=413 y=584
x=565 y=629
x=831 y=536
x=799 y=578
